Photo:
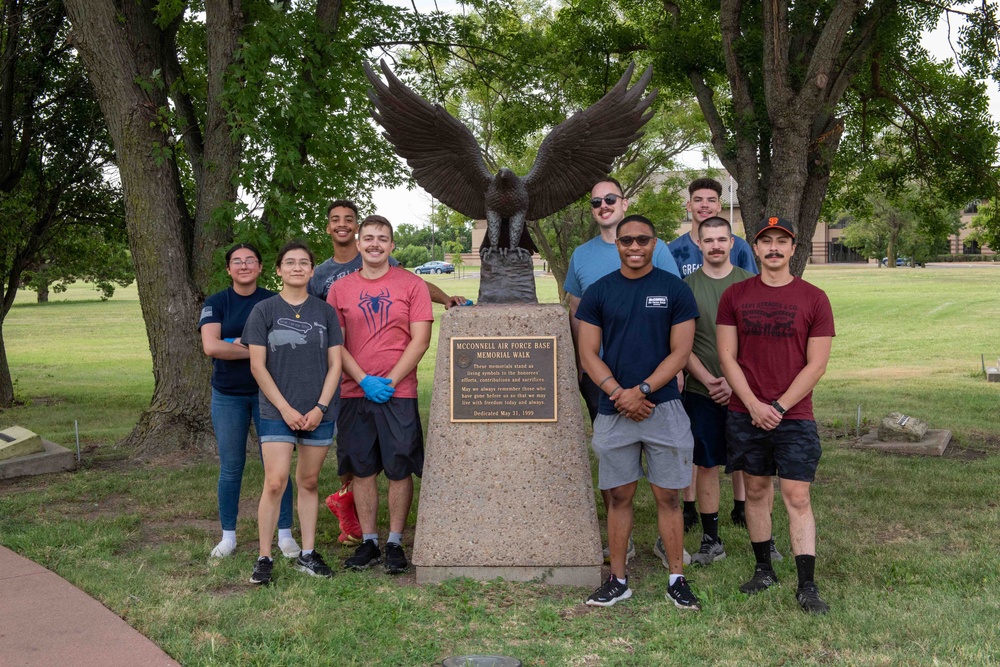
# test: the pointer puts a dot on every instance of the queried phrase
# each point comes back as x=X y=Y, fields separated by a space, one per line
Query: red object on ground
x=341 y=504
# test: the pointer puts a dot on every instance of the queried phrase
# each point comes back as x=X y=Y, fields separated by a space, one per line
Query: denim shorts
x=791 y=450
x=276 y=430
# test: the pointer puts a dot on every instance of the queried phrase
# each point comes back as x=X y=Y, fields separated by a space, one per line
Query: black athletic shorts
x=591 y=395
x=375 y=437
x=791 y=450
x=708 y=426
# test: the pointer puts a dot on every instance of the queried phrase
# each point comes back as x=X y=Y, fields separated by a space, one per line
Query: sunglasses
x=607 y=199
x=643 y=240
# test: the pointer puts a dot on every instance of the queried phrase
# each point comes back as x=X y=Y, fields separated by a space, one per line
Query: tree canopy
x=61 y=213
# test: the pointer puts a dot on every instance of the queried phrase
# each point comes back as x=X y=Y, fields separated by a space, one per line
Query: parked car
x=900 y=261
x=435 y=267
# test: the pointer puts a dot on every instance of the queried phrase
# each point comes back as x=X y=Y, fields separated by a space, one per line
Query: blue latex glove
x=468 y=302
x=384 y=393
x=373 y=387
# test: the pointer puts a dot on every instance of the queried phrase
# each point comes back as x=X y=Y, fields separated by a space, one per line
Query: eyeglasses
x=240 y=263
x=292 y=263
x=643 y=240
x=607 y=199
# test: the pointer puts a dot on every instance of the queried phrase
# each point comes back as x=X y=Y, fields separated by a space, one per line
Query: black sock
x=710 y=525
x=740 y=506
x=762 y=552
x=689 y=507
x=806 y=565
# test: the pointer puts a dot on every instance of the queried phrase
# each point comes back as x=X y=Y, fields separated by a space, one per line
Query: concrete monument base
x=513 y=500
x=934 y=442
x=55 y=458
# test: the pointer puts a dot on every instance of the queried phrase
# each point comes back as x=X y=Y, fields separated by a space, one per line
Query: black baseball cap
x=775 y=222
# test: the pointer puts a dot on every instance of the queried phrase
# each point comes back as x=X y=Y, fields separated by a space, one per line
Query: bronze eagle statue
x=448 y=163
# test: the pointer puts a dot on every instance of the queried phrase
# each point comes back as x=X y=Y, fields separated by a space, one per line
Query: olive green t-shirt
x=708 y=292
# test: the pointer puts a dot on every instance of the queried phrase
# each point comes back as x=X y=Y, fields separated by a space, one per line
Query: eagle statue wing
x=445 y=157
x=580 y=150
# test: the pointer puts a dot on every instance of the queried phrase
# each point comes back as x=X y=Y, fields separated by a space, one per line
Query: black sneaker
x=738 y=517
x=809 y=599
x=680 y=593
x=710 y=551
x=313 y=565
x=262 y=571
x=364 y=557
x=762 y=579
x=691 y=519
x=610 y=592
x=395 y=558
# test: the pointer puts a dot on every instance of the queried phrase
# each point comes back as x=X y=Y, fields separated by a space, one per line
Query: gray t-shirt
x=329 y=272
x=296 y=351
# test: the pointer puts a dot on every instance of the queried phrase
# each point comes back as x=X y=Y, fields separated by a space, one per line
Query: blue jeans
x=231 y=415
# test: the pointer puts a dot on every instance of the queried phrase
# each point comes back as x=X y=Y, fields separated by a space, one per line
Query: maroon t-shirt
x=774 y=325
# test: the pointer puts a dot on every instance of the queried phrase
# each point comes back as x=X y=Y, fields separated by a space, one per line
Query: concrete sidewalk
x=44 y=620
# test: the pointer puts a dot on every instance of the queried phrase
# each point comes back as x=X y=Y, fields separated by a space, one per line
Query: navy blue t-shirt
x=231 y=310
x=635 y=316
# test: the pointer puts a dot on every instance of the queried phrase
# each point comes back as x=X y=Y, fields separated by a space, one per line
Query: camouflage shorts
x=791 y=450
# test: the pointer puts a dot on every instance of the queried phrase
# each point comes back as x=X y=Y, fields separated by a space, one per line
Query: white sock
x=229 y=535
x=306 y=552
x=283 y=533
x=674 y=578
x=622 y=581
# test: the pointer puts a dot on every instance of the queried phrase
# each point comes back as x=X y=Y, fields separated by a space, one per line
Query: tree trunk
x=43 y=294
x=6 y=383
x=121 y=51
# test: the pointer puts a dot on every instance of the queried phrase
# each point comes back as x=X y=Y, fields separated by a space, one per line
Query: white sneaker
x=223 y=549
x=289 y=547
x=661 y=553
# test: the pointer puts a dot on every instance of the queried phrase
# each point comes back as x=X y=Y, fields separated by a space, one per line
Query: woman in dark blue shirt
x=234 y=392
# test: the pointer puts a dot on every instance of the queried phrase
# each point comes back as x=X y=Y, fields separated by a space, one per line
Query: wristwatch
x=322 y=408
x=777 y=406
x=645 y=389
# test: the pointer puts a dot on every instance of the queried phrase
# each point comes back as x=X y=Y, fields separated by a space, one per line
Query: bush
x=965 y=258
x=412 y=255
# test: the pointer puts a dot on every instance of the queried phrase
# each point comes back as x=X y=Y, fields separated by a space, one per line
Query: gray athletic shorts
x=663 y=438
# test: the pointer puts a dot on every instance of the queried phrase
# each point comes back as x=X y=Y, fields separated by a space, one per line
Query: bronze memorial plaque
x=503 y=379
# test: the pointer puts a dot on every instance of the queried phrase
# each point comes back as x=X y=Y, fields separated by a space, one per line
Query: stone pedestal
x=511 y=500
x=54 y=458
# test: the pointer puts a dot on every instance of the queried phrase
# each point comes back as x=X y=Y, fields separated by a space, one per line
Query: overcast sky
x=400 y=205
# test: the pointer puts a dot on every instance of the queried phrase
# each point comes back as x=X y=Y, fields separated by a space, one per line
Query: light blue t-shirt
x=688 y=255
x=595 y=259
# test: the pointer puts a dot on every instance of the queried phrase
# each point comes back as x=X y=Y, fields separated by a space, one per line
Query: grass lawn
x=908 y=546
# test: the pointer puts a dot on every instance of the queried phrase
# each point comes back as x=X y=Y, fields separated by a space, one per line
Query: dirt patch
x=575 y=611
x=46 y=400
x=90 y=510
x=168 y=531
x=897 y=535
x=230 y=590
x=963 y=454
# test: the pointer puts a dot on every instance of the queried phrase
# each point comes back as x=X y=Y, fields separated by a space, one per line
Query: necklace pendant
x=297 y=316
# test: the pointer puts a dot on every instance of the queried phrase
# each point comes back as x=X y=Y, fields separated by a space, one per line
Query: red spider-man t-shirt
x=376 y=317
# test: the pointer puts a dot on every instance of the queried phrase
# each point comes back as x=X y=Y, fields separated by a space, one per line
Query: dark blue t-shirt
x=231 y=310
x=635 y=317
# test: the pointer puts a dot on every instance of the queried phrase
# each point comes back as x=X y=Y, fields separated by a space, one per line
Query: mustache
x=773 y=254
x=717 y=252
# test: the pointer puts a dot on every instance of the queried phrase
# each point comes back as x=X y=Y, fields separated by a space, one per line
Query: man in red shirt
x=385 y=312
x=774 y=334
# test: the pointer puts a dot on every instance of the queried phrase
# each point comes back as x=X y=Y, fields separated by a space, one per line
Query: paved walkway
x=44 y=620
